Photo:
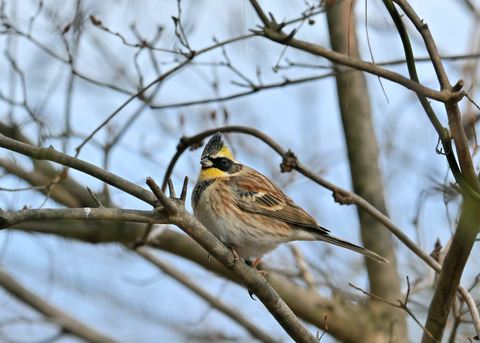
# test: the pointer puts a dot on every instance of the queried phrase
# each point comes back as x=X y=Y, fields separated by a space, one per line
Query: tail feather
x=344 y=244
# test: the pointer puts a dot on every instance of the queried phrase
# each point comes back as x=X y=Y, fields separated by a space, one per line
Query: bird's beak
x=206 y=163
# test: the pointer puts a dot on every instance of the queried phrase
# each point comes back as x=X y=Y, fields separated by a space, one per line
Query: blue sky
x=138 y=303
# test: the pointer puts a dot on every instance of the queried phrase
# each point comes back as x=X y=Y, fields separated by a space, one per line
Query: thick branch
x=452 y=269
x=8 y=219
x=75 y=163
x=214 y=301
x=248 y=276
x=461 y=146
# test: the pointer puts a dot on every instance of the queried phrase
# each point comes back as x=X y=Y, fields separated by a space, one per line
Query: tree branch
x=272 y=32
x=452 y=269
x=214 y=301
x=8 y=219
x=248 y=276
x=75 y=163
x=422 y=27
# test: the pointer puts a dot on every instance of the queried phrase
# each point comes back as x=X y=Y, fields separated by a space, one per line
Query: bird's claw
x=236 y=257
x=265 y=274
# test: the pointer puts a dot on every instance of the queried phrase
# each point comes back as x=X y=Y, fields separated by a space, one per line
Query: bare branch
x=248 y=276
x=8 y=219
x=254 y=88
x=401 y=304
x=429 y=43
x=66 y=160
x=214 y=301
x=274 y=34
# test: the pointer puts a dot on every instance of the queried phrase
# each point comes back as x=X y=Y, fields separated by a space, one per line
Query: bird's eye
x=222 y=163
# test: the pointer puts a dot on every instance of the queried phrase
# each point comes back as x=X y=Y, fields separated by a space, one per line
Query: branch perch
x=246 y=275
x=209 y=298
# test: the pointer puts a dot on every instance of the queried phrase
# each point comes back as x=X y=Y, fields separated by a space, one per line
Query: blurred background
x=66 y=66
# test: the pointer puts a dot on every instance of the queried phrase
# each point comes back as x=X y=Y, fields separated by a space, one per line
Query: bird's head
x=217 y=160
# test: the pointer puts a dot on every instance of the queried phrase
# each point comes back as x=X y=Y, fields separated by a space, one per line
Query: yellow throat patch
x=211 y=173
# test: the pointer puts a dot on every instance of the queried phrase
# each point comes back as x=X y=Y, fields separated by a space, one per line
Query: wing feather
x=256 y=193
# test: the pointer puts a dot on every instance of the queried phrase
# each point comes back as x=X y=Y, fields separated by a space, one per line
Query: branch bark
x=215 y=302
x=452 y=269
x=8 y=219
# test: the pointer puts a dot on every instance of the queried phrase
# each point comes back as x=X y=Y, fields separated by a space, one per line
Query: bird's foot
x=262 y=272
x=236 y=257
x=254 y=265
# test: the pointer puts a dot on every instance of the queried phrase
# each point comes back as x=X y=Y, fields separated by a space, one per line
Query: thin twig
x=161 y=197
x=254 y=88
x=303 y=266
x=94 y=197
x=401 y=304
x=272 y=31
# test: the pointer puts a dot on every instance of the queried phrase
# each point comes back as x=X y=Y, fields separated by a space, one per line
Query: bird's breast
x=200 y=187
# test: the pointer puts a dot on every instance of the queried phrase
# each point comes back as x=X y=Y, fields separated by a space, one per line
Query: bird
x=248 y=212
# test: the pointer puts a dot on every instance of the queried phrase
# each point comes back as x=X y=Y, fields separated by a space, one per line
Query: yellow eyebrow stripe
x=226 y=153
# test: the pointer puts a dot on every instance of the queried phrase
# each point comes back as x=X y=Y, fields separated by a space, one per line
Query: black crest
x=214 y=145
